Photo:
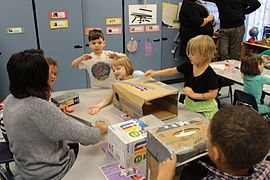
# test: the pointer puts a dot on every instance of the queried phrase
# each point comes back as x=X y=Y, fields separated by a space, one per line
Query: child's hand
x=150 y=73
x=94 y=110
x=188 y=91
x=102 y=126
x=86 y=57
x=66 y=109
x=113 y=56
x=167 y=168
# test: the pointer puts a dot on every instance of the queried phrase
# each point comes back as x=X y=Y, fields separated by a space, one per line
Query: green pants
x=207 y=108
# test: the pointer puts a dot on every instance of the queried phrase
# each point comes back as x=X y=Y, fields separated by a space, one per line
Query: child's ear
x=216 y=153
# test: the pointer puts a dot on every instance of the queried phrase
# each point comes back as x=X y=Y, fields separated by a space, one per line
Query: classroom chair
x=6 y=157
x=242 y=98
x=223 y=82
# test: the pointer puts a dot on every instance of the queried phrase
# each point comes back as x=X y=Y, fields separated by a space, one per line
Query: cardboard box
x=127 y=140
x=185 y=139
x=68 y=98
x=140 y=96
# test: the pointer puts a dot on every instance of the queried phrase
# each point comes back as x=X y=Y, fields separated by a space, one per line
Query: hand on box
x=65 y=108
x=150 y=73
x=102 y=126
x=167 y=168
x=94 y=109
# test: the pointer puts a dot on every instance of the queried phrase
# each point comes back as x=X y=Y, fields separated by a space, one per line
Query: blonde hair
x=202 y=45
x=125 y=62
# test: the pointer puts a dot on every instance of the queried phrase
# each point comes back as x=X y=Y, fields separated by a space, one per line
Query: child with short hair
x=123 y=69
x=251 y=67
x=97 y=63
x=238 y=142
x=201 y=83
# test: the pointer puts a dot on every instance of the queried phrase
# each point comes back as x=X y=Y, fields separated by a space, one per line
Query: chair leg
x=230 y=92
x=8 y=168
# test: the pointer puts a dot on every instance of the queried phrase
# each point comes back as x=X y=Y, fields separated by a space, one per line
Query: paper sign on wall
x=113 y=21
x=87 y=29
x=56 y=24
x=15 y=30
x=114 y=30
x=142 y=14
x=152 y=28
x=136 y=29
x=58 y=14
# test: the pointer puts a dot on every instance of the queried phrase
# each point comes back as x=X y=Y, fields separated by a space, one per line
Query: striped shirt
x=260 y=171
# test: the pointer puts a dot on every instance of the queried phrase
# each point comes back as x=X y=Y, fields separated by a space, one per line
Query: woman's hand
x=102 y=126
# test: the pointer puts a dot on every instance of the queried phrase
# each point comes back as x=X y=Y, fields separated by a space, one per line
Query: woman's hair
x=125 y=62
x=51 y=61
x=202 y=45
x=28 y=75
x=249 y=65
x=95 y=34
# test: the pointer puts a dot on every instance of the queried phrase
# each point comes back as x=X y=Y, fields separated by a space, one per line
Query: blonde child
x=201 y=84
x=251 y=67
x=123 y=70
x=97 y=63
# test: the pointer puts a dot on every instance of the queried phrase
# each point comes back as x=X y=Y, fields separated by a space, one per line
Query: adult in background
x=232 y=29
x=195 y=20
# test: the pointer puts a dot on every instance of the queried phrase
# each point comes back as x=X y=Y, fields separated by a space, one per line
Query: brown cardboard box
x=140 y=96
x=187 y=140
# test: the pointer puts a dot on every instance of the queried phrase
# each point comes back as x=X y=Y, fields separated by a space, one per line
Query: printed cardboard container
x=127 y=140
x=68 y=98
x=140 y=96
x=185 y=139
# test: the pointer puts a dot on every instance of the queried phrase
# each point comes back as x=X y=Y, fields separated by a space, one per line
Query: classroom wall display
x=114 y=30
x=136 y=29
x=152 y=28
x=142 y=14
x=15 y=30
x=113 y=21
x=58 y=14
x=87 y=29
x=57 y=24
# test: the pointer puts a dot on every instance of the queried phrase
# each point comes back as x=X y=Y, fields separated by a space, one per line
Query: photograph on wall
x=142 y=14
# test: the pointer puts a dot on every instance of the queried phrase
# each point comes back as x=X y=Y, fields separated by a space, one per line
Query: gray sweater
x=37 y=131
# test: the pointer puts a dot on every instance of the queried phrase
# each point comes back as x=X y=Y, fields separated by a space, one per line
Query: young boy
x=97 y=63
x=238 y=141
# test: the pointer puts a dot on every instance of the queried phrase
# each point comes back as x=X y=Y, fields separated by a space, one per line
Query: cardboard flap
x=125 y=93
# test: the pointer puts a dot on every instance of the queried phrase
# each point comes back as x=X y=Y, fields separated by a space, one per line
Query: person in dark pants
x=195 y=20
x=232 y=29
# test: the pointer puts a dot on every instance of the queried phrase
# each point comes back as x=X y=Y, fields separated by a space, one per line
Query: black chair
x=5 y=175
x=6 y=156
x=242 y=98
x=182 y=98
x=223 y=82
